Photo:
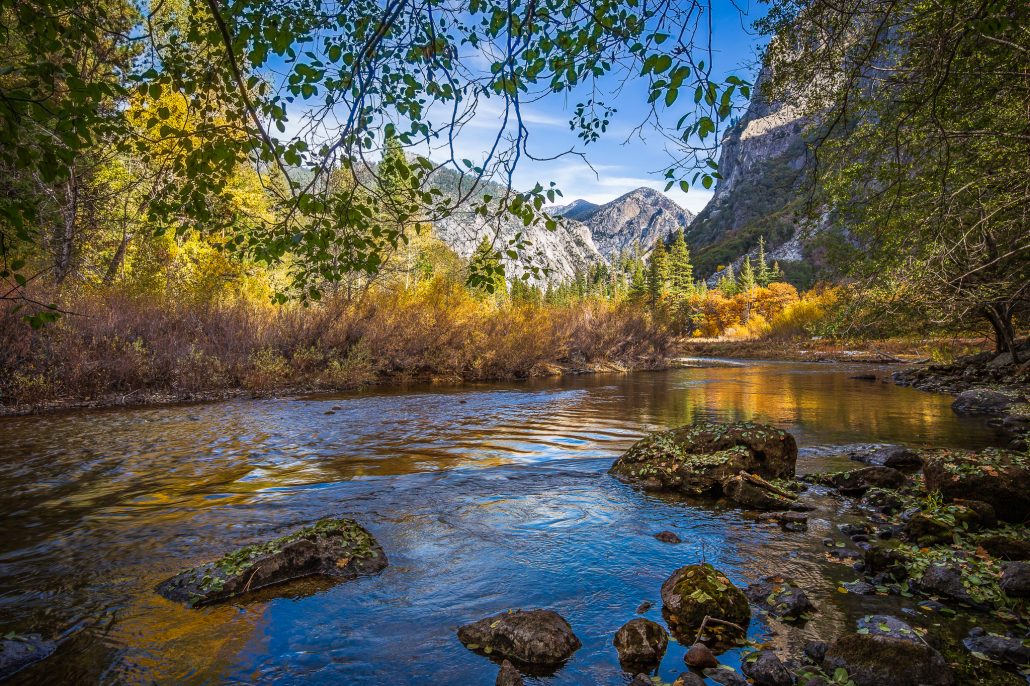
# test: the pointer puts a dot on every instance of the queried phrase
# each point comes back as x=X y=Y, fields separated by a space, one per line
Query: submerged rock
x=20 y=651
x=668 y=537
x=754 y=496
x=766 y=670
x=335 y=548
x=788 y=521
x=780 y=597
x=984 y=402
x=995 y=476
x=509 y=676
x=998 y=647
x=697 y=591
x=883 y=661
x=858 y=481
x=886 y=626
x=536 y=638
x=696 y=459
x=641 y=643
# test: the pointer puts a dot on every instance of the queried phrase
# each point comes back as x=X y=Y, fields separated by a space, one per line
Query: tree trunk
x=116 y=261
x=65 y=243
x=1000 y=317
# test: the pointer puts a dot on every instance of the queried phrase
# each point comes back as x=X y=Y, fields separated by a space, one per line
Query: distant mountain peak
x=641 y=216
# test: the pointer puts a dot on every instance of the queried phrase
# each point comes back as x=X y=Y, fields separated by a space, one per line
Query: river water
x=484 y=497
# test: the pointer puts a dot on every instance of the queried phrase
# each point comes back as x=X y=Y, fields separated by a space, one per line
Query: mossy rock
x=883 y=661
x=995 y=476
x=698 y=591
x=696 y=459
x=334 y=548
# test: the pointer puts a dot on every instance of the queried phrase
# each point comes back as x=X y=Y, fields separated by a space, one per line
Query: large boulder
x=872 y=660
x=995 y=476
x=641 y=644
x=19 y=651
x=698 y=591
x=696 y=459
x=335 y=548
x=984 y=402
x=529 y=638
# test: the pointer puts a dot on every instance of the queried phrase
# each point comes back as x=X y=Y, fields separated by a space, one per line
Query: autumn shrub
x=801 y=318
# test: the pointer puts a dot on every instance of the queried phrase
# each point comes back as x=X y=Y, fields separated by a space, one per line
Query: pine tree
x=763 y=275
x=728 y=282
x=638 y=281
x=777 y=273
x=747 y=280
x=485 y=269
x=658 y=273
x=681 y=272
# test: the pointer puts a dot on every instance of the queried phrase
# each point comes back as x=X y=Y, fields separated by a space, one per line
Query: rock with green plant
x=879 y=660
x=781 y=598
x=765 y=669
x=697 y=459
x=995 y=476
x=641 y=644
x=335 y=548
x=699 y=592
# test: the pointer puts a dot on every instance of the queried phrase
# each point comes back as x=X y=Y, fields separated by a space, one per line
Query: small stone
x=767 y=670
x=644 y=607
x=885 y=625
x=641 y=643
x=997 y=647
x=641 y=680
x=700 y=657
x=688 y=679
x=509 y=676
x=668 y=537
x=815 y=651
x=780 y=597
x=859 y=588
x=725 y=676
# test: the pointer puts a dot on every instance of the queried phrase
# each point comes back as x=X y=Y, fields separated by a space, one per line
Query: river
x=485 y=497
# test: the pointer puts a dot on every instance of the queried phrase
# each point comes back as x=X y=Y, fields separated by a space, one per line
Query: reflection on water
x=484 y=497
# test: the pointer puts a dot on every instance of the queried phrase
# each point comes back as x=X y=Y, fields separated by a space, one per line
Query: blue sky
x=627 y=156
x=623 y=165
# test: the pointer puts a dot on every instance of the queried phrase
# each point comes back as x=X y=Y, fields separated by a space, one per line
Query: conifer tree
x=638 y=281
x=747 y=280
x=763 y=274
x=658 y=273
x=728 y=282
x=681 y=271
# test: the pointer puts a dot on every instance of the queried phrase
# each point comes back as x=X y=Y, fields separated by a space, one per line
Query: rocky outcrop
x=540 y=639
x=697 y=459
x=697 y=591
x=998 y=477
x=641 y=644
x=334 y=548
x=636 y=219
x=19 y=651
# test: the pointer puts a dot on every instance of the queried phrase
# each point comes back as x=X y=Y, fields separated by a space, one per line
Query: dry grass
x=117 y=347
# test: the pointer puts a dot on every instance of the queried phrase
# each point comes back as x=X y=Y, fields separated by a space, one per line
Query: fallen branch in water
x=759 y=481
x=715 y=620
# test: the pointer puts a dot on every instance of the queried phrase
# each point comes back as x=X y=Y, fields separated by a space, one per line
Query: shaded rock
x=641 y=680
x=945 y=581
x=753 y=496
x=901 y=458
x=766 y=670
x=858 y=481
x=644 y=607
x=1015 y=579
x=689 y=679
x=788 y=521
x=538 y=638
x=509 y=676
x=850 y=529
x=815 y=651
x=696 y=591
x=641 y=643
x=696 y=459
x=859 y=588
x=668 y=537
x=997 y=647
x=335 y=548
x=995 y=476
x=887 y=626
x=699 y=656
x=726 y=676
x=984 y=402
x=20 y=651
x=925 y=529
x=1006 y=547
x=986 y=517
x=887 y=560
x=882 y=661
x=780 y=597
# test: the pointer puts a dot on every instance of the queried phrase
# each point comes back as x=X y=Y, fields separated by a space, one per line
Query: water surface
x=484 y=497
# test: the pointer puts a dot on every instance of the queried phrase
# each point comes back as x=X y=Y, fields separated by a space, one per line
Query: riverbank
x=116 y=352
x=881 y=351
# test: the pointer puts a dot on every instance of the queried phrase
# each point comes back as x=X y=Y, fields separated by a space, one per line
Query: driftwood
x=716 y=620
x=759 y=481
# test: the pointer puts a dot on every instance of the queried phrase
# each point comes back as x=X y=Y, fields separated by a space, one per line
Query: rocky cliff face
x=578 y=210
x=761 y=193
x=643 y=215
